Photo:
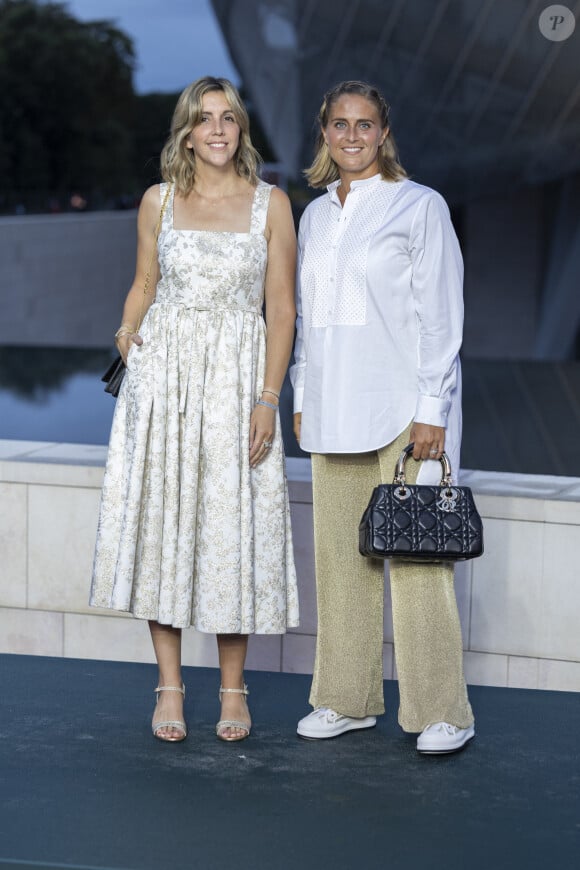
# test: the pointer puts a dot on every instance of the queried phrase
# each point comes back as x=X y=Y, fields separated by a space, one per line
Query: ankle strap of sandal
x=170 y=689
x=243 y=691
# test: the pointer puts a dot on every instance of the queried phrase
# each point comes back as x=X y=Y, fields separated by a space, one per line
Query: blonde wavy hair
x=178 y=161
x=324 y=170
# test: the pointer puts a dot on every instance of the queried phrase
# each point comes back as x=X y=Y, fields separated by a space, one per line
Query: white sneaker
x=442 y=737
x=324 y=722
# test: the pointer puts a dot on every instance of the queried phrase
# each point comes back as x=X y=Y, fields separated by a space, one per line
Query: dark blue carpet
x=83 y=784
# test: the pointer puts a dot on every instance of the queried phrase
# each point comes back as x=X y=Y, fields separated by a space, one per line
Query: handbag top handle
x=399 y=477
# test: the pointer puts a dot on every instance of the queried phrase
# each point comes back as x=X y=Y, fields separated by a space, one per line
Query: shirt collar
x=354 y=185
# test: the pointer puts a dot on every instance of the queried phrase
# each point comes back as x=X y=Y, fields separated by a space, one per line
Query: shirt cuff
x=298 y=399
x=432 y=411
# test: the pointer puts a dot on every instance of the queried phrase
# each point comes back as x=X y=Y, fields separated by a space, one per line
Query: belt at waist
x=195 y=306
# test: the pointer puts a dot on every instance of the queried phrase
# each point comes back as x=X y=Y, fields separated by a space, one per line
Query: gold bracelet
x=272 y=392
x=124 y=329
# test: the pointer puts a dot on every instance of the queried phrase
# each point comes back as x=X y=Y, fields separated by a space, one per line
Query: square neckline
x=216 y=232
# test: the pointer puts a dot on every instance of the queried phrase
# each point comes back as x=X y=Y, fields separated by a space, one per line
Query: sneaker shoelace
x=331 y=716
x=444 y=726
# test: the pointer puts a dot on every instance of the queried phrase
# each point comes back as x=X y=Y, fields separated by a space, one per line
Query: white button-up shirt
x=380 y=317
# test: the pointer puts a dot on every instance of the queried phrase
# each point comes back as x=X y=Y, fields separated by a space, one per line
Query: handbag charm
x=421 y=523
x=448 y=500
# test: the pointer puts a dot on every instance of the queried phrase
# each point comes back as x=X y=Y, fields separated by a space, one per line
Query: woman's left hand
x=262 y=428
x=429 y=441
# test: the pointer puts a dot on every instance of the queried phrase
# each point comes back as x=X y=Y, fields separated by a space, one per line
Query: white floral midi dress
x=188 y=533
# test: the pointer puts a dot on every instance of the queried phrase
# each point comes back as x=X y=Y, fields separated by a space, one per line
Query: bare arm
x=298 y=425
x=280 y=317
x=137 y=302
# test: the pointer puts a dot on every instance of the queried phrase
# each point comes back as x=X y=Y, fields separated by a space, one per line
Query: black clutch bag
x=113 y=377
x=421 y=523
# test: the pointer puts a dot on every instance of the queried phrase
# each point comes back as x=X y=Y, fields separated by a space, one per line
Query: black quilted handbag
x=421 y=523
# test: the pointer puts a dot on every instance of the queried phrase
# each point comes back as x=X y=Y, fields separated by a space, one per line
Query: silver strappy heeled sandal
x=178 y=724
x=223 y=724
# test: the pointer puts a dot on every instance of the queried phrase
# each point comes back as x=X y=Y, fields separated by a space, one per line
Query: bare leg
x=232 y=650
x=167 y=646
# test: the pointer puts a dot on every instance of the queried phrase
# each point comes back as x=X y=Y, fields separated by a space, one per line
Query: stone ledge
x=21 y=461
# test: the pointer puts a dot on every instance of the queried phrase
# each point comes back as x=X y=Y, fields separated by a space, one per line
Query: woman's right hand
x=297 y=425
x=124 y=343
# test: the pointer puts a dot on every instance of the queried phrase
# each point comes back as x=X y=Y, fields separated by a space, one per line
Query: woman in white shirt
x=380 y=315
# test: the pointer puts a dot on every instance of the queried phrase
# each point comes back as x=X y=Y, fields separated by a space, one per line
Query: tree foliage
x=150 y=131
x=70 y=121
x=67 y=102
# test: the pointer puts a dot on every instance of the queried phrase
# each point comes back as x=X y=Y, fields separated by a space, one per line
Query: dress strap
x=167 y=219
x=260 y=208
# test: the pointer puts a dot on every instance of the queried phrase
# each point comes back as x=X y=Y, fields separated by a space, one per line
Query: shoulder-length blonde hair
x=178 y=161
x=324 y=170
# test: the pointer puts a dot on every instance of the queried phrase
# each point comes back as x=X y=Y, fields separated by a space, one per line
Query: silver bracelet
x=267 y=404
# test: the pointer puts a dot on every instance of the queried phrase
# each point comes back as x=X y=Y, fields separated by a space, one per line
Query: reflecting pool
x=518 y=416
x=56 y=394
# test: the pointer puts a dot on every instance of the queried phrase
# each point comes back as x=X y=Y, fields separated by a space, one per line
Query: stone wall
x=518 y=603
x=64 y=278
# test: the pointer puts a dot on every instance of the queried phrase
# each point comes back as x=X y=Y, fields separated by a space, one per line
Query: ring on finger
x=433 y=451
x=266 y=444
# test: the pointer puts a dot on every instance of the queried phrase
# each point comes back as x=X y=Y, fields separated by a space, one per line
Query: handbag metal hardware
x=402 y=493
x=448 y=499
x=399 y=477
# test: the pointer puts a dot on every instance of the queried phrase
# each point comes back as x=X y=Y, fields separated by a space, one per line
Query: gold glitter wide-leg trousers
x=348 y=671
